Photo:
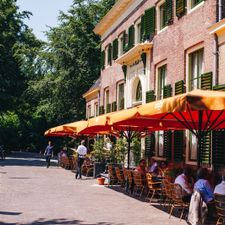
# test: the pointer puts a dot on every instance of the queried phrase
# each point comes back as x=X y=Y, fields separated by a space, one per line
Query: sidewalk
x=32 y=194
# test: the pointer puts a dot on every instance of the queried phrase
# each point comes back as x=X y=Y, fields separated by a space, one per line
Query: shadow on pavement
x=26 y=159
x=61 y=221
x=10 y=213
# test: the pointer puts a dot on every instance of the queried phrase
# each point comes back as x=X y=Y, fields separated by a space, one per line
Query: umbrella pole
x=200 y=137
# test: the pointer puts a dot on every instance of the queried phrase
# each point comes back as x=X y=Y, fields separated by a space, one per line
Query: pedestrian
x=49 y=153
x=82 y=151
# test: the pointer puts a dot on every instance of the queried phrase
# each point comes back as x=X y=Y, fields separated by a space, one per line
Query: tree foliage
x=41 y=84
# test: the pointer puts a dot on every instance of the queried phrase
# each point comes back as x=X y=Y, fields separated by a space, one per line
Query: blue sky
x=45 y=13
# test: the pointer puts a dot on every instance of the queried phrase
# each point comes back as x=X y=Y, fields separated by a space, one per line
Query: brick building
x=156 y=49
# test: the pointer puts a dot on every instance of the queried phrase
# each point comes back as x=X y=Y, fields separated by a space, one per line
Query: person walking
x=82 y=151
x=49 y=153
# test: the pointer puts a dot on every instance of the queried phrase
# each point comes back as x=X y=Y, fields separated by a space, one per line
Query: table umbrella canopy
x=67 y=129
x=189 y=109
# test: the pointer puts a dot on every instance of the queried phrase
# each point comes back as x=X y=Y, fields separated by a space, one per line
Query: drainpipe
x=216 y=60
x=98 y=101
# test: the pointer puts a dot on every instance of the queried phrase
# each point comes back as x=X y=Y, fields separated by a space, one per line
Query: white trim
x=191 y=10
x=188 y=52
x=164 y=62
x=158 y=19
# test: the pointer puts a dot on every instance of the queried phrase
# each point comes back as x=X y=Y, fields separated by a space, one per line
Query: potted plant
x=98 y=155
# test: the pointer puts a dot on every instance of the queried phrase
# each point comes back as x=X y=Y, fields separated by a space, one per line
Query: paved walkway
x=32 y=194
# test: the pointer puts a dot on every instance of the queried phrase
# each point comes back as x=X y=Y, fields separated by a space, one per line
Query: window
x=192 y=147
x=194 y=3
x=195 y=69
x=162 y=16
x=120 y=96
x=121 y=46
x=139 y=92
x=161 y=81
x=89 y=111
x=96 y=109
x=107 y=105
x=138 y=33
x=160 y=151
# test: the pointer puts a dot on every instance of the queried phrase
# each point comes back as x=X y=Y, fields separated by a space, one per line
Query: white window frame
x=96 y=109
x=164 y=63
x=188 y=53
x=191 y=9
x=118 y=91
x=120 y=45
x=158 y=17
x=137 y=36
x=105 y=99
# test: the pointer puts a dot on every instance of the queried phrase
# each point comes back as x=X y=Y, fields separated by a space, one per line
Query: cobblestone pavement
x=32 y=194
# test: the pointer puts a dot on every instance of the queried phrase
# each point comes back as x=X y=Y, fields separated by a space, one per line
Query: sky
x=45 y=13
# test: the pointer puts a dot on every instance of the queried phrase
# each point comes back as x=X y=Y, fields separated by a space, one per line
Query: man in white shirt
x=220 y=188
x=82 y=151
x=184 y=181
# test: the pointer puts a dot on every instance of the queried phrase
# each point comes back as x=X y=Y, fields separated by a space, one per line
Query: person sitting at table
x=153 y=167
x=220 y=188
x=184 y=180
x=203 y=186
x=163 y=168
x=141 y=168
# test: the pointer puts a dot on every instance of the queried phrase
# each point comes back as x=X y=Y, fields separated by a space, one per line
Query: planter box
x=98 y=168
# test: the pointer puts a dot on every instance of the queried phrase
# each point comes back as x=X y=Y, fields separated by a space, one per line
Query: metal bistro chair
x=130 y=180
x=167 y=191
x=120 y=176
x=177 y=201
x=138 y=183
x=220 y=208
x=153 y=186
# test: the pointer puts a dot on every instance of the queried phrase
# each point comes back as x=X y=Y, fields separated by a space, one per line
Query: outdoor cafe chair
x=167 y=192
x=153 y=186
x=65 y=162
x=120 y=176
x=177 y=201
x=220 y=208
x=130 y=181
x=139 y=183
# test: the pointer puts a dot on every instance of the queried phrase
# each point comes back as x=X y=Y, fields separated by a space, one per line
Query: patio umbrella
x=198 y=111
x=69 y=129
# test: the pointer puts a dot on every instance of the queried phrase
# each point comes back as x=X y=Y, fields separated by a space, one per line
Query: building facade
x=156 y=49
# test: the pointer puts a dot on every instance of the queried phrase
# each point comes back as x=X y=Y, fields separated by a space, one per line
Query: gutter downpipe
x=216 y=60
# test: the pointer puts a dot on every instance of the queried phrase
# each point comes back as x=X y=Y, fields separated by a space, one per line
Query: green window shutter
x=108 y=108
x=114 y=106
x=150 y=96
x=218 y=149
x=205 y=157
x=220 y=87
x=169 y=11
x=115 y=49
x=167 y=91
x=110 y=54
x=101 y=110
x=167 y=137
x=178 y=146
x=102 y=60
x=206 y=81
x=131 y=37
x=150 y=145
x=180 y=7
x=179 y=87
x=143 y=28
x=149 y=23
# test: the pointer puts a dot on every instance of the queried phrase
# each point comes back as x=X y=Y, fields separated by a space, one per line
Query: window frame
x=189 y=66
x=159 y=84
x=118 y=95
x=158 y=16
x=192 y=7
